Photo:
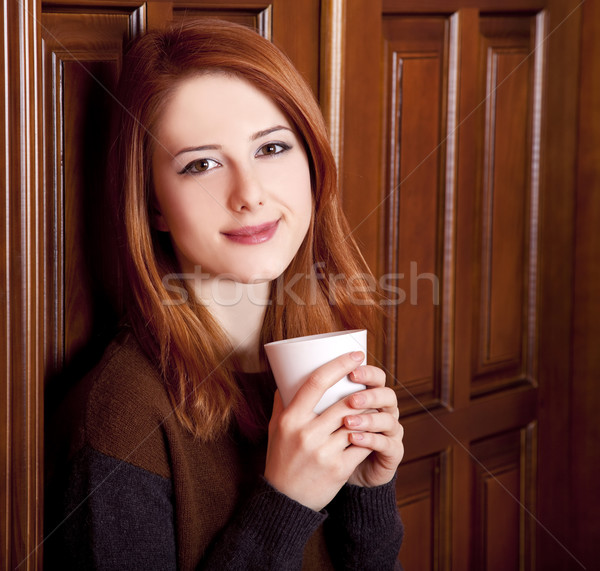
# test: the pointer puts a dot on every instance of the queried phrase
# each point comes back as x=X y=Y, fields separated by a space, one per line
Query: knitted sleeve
x=269 y=532
x=114 y=516
x=364 y=530
x=119 y=516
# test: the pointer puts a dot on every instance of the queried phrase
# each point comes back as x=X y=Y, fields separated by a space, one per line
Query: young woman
x=233 y=236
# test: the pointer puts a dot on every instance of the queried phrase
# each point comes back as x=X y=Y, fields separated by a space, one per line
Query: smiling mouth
x=253 y=234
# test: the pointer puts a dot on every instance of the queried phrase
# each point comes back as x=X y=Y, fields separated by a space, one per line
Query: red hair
x=191 y=350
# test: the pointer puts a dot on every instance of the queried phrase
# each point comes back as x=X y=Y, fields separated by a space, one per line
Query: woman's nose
x=247 y=191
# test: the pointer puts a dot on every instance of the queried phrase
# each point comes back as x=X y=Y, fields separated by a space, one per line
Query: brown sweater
x=140 y=492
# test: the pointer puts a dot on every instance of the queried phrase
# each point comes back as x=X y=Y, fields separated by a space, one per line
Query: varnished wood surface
x=585 y=339
x=557 y=219
x=467 y=100
x=457 y=127
x=22 y=289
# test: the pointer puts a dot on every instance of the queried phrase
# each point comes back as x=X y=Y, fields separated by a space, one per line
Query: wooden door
x=455 y=112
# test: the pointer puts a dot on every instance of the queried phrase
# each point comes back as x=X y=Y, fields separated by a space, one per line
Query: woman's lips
x=253 y=234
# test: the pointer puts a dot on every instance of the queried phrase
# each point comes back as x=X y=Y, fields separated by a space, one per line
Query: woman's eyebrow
x=200 y=148
x=268 y=131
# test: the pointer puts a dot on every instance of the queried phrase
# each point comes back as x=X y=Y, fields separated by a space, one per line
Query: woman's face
x=231 y=180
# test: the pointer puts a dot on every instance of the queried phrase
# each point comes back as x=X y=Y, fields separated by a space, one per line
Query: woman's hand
x=310 y=456
x=377 y=426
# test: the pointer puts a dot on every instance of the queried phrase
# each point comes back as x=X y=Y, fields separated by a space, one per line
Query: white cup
x=293 y=360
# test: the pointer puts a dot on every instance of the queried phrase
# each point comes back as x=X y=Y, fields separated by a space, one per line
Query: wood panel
x=508 y=204
x=82 y=57
x=420 y=60
x=422 y=489
x=503 y=502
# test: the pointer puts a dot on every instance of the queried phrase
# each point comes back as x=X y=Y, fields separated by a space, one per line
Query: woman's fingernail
x=357 y=436
x=357 y=355
x=353 y=420
x=358 y=399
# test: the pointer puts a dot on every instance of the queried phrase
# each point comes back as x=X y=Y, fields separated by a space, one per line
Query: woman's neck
x=240 y=310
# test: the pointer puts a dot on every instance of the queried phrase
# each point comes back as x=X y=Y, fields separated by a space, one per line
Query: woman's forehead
x=217 y=103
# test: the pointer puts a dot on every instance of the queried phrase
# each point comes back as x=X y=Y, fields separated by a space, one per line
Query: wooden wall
x=464 y=151
x=455 y=125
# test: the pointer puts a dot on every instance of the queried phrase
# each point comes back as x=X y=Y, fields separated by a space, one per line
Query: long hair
x=190 y=348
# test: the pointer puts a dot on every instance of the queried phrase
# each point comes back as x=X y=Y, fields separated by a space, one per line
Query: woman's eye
x=199 y=166
x=272 y=149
